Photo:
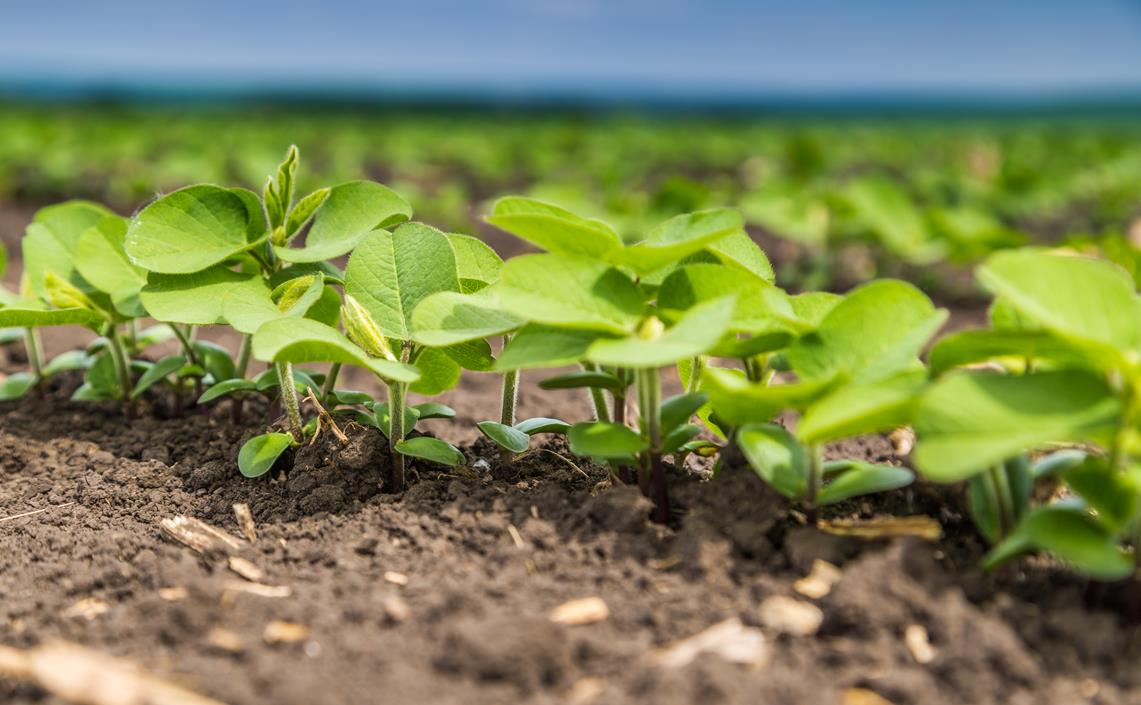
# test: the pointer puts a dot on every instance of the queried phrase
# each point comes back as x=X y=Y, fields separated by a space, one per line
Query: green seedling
x=857 y=372
x=1064 y=359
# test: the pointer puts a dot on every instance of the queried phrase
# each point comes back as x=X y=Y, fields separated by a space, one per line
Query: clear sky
x=677 y=46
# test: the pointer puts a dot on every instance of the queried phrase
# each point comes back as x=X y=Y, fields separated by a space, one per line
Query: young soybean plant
x=223 y=255
x=1066 y=335
x=592 y=299
x=857 y=372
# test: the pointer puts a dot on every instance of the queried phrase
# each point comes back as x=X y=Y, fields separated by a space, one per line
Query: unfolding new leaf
x=346 y=217
x=699 y=330
x=679 y=236
x=776 y=456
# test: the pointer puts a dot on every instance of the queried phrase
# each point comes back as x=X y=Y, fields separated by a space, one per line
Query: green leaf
x=875 y=332
x=570 y=291
x=854 y=409
x=814 y=306
x=776 y=457
x=544 y=346
x=542 y=424
x=1070 y=535
x=351 y=213
x=680 y=236
x=888 y=212
x=507 y=437
x=679 y=437
x=191 y=229
x=555 y=229
x=760 y=306
x=225 y=388
x=300 y=340
x=583 y=378
x=738 y=251
x=697 y=332
x=432 y=449
x=391 y=273
x=16 y=385
x=383 y=420
x=1077 y=297
x=1112 y=494
x=196 y=298
x=438 y=373
x=86 y=392
x=102 y=378
x=31 y=314
x=852 y=478
x=600 y=439
x=738 y=401
x=156 y=372
x=101 y=260
x=433 y=410
x=677 y=410
x=51 y=239
x=215 y=359
x=259 y=454
x=348 y=396
x=304 y=210
x=971 y=347
x=69 y=360
x=968 y=422
x=477 y=265
x=448 y=317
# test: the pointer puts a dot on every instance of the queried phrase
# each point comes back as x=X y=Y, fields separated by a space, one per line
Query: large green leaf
x=776 y=456
x=477 y=265
x=876 y=331
x=448 y=317
x=699 y=330
x=197 y=298
x=738 y=401
x=1078 y=297
x=301 y=340
x=391 y=273
x=760 y=307
x=555 y=229
x=570 y=291
x=350 y=212
x=544 y=346
x=853 y=409
x=968 y=422
x=679 y=236
x=970 y=347
x=192 y=229
x=601 y=439
x=102 y=262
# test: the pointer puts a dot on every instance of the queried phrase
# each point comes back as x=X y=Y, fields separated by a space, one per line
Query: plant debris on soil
x=528 y=580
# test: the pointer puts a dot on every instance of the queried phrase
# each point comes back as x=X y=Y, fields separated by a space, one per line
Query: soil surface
x=443 y=594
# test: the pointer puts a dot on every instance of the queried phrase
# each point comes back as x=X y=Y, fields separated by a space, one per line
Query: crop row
x=1047 y=394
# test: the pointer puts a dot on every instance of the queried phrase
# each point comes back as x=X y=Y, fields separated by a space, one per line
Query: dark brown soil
x=487 y=554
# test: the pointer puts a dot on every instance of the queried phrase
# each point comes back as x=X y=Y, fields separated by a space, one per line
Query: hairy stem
x=597 y=396
x=330 y=381
x=695 y=374
x=619 y=400
x=122 y=371
x=396 y=392
x=649 y=383
x=510 y=395
x=35 y=355
x=289 y=398
x=243 y=364
x=1003 y=499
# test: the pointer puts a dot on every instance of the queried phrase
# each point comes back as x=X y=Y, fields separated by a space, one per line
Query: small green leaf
x=350 y=397
x=776 y=457
x=555 y=229
x=196 y=298
x=31 y=314
x=697 y=332
x=86 y=392
x=433 y=410
x=542 y=424
x=583 y=378
x=432 y=449
x=1070 y=535
x=350 y=213
x=70 y=360
x=677 y=410
x=438 y=373
x=383 y=420
x=156 y=372
x=225 y=388
x=16 y=385
x=888 y=212
x=601 y=439
x=1112 y=494
x=739 y=401
x=259 y=454
x=507 y=437
x=215 y=359
x=738 y=251
x=544 y=346
x=192 y=229
x=852 y=478
x=679 y=437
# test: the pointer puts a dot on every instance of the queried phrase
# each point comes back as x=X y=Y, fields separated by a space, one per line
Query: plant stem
x=243 y=357
x=1003 y=498
x=695 y=374
x=396 y=392
x=330 y=381
x=34 y=350
x=510 y=394
x=597 y=396
x=289 y=398
x=183 y=340
x=649 y=383
x=122 y=371
x=619 y=407
x=815 y=480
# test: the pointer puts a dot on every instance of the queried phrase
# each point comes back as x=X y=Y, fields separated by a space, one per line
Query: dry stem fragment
x=586 y=610
x=198 y=535
x=731 y=640
x=225 y=640
x=173 y=594
x=246 y=569
x=862 y=696
x=258 y=589
x=395 y=578
x=86 y=677
x=246 y=520
x=923 y=527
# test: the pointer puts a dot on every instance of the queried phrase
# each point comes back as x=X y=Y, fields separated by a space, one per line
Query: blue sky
x=685 y=46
